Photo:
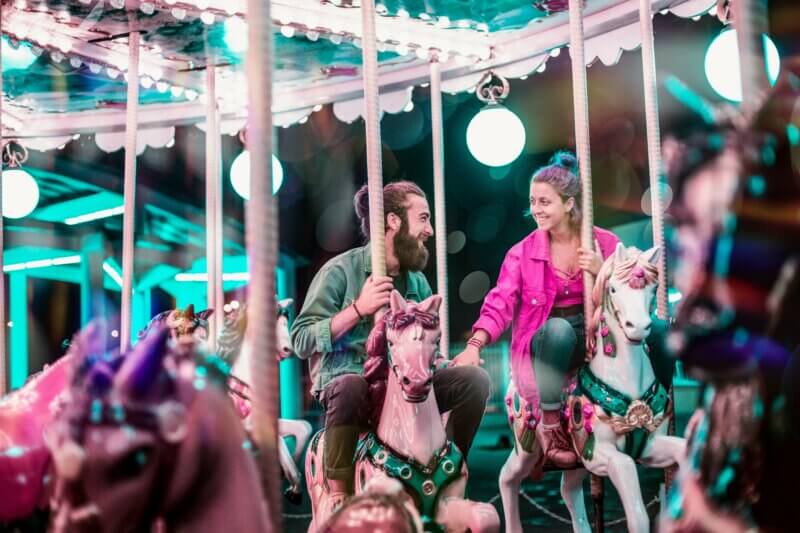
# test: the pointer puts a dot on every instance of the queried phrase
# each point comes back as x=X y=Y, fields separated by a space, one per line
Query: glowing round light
x=17 y=58
x=20 y=193
x=722 y=65
x=236 y=34
x=240 y=174
x=495 y=136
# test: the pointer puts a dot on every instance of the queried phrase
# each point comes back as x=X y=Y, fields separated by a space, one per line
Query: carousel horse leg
x=572 y=493
x=664 y=451
x=518 y=465
x=290 y=472
x=621 y=470
x=299 y=429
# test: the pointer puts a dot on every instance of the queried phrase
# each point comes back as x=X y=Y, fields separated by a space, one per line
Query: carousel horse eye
x=612 y=290
x=132 y=464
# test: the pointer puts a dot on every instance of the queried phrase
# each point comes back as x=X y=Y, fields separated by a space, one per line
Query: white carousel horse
x=234 y=348
x=617 y=410
x=410 y=444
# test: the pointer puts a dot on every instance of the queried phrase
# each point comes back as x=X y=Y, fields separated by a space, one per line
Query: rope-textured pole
x=3 y=327
x=750 y=21
x=580 y=103
x=131 y=133
x=213 y=209
x=654 y=151
x=439 y=214
x=372 y=120
x=262 y=252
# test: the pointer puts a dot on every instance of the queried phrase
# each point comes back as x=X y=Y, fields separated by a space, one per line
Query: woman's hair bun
x=566 y=159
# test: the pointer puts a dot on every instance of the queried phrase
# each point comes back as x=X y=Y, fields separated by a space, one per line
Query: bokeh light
x=236 y=34
x=240 y=174
x=495 y=136
x=723 y=69
x=20 y=193
x=474 y=287
x=16 y=58
x=456 y=241
x=666 y=199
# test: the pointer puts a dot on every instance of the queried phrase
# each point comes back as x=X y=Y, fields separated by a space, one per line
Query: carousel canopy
x=77 y=82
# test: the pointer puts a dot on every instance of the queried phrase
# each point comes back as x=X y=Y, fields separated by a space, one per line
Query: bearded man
x=337 y=316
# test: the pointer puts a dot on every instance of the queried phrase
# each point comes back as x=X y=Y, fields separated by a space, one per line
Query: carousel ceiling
x=77 y=83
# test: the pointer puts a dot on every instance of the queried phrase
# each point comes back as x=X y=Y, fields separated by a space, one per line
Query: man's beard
x=411 y=252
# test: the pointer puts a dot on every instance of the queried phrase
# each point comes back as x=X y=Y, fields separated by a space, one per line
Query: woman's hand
x=471 y=356
x=590 y=260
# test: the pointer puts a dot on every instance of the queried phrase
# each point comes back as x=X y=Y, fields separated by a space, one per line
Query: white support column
x=131 y=133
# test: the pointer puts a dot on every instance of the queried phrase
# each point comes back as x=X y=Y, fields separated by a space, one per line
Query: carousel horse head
x=231 y=340
x=184 y=325
x=624 y=289
x=138 y=442
x=406 y=341
x=379 y=508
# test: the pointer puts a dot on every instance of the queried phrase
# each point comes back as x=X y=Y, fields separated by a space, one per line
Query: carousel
x=162 y=410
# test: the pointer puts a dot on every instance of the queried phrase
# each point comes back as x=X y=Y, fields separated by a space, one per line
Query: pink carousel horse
x=409 y=444
x=234 y=348
x=138 y=445
x=617 y=411
x=24 y=458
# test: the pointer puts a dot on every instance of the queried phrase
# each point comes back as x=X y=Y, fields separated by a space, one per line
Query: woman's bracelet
x=476 y=342
x=360 y=316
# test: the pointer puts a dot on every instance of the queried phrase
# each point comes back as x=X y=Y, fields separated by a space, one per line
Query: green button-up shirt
x=335 y=287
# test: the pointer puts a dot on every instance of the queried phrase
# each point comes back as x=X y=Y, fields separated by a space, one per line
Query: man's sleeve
x=425 y=290
x=311 y=330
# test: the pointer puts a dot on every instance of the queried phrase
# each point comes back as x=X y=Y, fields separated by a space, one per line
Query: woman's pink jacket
x=523 y=298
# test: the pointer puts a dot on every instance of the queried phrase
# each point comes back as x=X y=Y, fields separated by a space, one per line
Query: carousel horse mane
x=376 y=367
x=634 y=269
x=181 y=322
x=231 y=338
x=138 y=442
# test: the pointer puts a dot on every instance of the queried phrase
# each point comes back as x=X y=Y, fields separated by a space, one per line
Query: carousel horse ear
x=189 y=311
x=652 y=255
x=143 y=364
x=89 y=341
x=204 y=314
x=430 y=304
x=396 y=302
x=620 y=253
x=173 y=318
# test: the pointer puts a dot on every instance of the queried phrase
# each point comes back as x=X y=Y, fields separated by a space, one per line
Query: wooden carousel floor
x=541 y=506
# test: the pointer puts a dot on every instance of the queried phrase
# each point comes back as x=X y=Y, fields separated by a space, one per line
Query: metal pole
x=131 y=132
x=262 y=249
x=440 y=216
x=580 y=102
x=654 y=150
x=372 y=121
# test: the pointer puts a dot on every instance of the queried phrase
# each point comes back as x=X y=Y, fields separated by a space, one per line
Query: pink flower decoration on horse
x=638 y=279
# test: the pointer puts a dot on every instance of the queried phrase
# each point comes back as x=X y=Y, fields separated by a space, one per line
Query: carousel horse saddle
x=634 y=418
x=424 y=482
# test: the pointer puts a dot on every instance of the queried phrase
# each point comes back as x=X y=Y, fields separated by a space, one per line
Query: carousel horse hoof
x=295 y=498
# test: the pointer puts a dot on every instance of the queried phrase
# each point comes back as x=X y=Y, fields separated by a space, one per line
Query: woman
x=540 y=292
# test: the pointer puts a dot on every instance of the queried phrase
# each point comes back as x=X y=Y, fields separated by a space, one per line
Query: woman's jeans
x=559 y=347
